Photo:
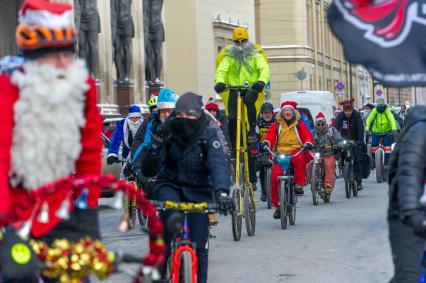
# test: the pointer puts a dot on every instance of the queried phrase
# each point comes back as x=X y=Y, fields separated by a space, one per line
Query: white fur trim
x=48 y=116
x=134 y=114
x=166 y=105
x=47 y=19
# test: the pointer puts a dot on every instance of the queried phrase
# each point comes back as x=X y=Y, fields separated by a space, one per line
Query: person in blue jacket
x=124 y=134
x=188 y=160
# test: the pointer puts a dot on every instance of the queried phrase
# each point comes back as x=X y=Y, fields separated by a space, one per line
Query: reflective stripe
x=373 y=149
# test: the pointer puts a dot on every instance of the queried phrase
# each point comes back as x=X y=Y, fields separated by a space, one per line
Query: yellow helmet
x=240 y=33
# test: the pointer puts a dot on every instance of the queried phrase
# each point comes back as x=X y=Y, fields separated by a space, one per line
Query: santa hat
x=348 y=104
x=166 y=99
x=45 y=27
x=319 y=117
x=134 y=111
x=211 y=105
x=289 y=104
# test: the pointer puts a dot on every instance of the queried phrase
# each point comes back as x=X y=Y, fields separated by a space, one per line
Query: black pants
x=262 y=176
x=250 y=98
x=407 y=251
x=198 y=229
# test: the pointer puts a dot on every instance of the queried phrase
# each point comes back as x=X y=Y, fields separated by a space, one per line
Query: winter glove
x=264 y=160
x=418 y=222
x=308 y=146
x=224 y=201
x=264 y=146
x=112 y=159
x=157 y=140
x=220 y=87
x=128 y=170
x=258 y=86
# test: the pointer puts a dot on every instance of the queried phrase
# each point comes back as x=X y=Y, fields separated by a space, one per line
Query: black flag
x=388 y=37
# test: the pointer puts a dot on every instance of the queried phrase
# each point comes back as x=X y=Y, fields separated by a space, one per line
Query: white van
x=315 y=101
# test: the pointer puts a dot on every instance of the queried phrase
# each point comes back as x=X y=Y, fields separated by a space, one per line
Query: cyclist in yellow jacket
x=243 y=63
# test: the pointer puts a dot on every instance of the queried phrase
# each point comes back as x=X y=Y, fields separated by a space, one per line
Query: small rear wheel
x=249 y=212
x=237 y=217
x=283 y=203
x=268 y=177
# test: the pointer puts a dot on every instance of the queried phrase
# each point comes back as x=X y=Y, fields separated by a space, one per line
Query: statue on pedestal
x=88 y=24
x=123 y=31
x=154 y=38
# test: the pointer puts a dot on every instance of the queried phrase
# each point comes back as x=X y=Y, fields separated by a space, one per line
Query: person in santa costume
x=289 y=135
x=51 y=127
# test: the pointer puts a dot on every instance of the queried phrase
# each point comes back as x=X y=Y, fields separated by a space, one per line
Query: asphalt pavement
x=342 y=241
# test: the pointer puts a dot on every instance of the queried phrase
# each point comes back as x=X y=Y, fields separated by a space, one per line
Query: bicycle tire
x=314 y=184
x=268 y=177
x=185 y=270
x=283 y=203
x=237 y=217
x=131 y=212
x=379 y=165
x=141 y=218
x=347 y=176
x=250 y=213
x=292 y=203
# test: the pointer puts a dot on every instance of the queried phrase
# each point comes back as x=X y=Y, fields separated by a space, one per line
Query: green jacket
x=380 y=123
x=227 y=71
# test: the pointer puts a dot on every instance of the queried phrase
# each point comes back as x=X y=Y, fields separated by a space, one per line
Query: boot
x=263 y=197
x=360 y=186
x=213 y=220
x=299 y=191
x=328 y=189
x=277 y=214
x=254 y=186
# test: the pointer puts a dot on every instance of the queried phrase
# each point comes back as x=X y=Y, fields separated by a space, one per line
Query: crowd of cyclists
x=182 y=151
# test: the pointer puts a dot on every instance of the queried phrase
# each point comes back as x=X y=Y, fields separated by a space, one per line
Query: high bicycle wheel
x=250 y=212
x=185 y=270
x=267 y=185
x=283 y=203
x=347 y=171
x=314 y=183
x=292 y=200
x=237 y=216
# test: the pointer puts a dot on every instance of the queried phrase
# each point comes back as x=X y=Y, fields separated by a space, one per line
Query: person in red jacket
x=51 y=127
x=289 y=135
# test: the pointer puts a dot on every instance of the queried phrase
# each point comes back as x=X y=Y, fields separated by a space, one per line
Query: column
x=315 y=47
x=106 y=93
x=322 y=31
x=138 y=49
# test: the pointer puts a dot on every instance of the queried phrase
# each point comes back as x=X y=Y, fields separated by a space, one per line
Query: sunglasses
x=321 y=124
x=240 y=41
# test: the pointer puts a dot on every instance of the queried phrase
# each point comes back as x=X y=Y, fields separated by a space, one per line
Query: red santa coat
x=13 y=200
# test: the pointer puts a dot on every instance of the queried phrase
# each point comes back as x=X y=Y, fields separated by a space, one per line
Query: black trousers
x=262 y=179
x=407 y=252
x=198 y=229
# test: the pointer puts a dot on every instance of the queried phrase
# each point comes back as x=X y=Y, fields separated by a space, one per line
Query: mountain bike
x=348 y=169
x=380 y=162
x=243 y=193
x=182 y=264
x=286 y=188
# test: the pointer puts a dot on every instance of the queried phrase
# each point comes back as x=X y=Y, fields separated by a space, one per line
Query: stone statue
x=123 y=31
x=88 y=24
x=154 y=38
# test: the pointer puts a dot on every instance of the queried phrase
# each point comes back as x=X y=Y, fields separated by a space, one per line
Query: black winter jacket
x=351 y=128
x=198 y=169
x=408 y=166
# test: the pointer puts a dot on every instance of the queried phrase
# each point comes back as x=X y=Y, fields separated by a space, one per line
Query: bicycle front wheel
x=185 y=270
x=379 y=165
x=237 y=217
x=314 y=184
x=292 y=203
x=348 y=179
x=249 y=212
x=283 y=203
x=131 y=212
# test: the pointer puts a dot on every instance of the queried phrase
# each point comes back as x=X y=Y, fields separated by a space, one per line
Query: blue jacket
x=198 y=170
x=307 y=122
x=122 y=135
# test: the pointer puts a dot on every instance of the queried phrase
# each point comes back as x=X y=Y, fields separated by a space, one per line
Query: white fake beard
x=134 y=126
x=44 y=149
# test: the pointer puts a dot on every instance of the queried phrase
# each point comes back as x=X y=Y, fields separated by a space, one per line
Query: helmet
x=267 y=107
x=34 y=37
x=153 y=101
x=240 y=33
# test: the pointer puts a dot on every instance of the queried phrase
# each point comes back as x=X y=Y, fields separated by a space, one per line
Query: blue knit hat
x=166 y=99
x=134 y=111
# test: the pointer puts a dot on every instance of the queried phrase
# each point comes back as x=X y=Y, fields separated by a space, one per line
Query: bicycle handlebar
x=202 y=207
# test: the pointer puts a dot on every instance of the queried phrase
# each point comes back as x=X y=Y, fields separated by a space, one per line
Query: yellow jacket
x=288 y=140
